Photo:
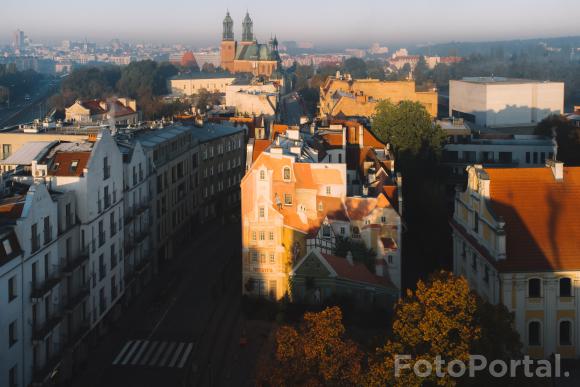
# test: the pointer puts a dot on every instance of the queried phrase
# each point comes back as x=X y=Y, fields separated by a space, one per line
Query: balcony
x=39 y=291
x=40 y=332
x=72 y=264
x=76 y=300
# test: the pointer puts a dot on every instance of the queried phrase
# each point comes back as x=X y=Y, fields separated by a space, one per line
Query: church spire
x=248 y=29
x=228 y=33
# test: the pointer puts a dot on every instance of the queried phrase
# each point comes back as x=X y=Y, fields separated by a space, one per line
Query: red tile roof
x=542 y=217
x=357 y=272
x=93 y=106
x=11 y=208
x=259 y=147
x=62 y=163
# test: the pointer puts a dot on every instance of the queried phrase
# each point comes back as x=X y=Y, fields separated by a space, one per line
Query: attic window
x=326 y=231
x=7 y=246
x=55 y=166
x=286 y=173
x=320 y=207
x=73 y=166
x=262 y=175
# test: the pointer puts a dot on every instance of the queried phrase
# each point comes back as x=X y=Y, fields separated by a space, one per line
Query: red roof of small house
x=356 y=271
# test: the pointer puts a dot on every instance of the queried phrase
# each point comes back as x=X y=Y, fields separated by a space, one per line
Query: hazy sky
x=352 y=22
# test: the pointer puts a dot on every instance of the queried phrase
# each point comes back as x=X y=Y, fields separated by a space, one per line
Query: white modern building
x=499 y=101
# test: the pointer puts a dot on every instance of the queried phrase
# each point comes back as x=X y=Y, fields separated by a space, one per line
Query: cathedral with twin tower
x=247 y=56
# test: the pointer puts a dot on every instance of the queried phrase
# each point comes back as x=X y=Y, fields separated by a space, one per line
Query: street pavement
x=179 y=330
x=292 y=109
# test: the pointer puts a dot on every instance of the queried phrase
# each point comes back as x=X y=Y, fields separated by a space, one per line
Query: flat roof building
x=504 y=102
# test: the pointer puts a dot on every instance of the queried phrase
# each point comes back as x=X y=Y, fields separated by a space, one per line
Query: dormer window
x=286 y=174
x=7 y=246
x=55 y=166
x=73 y=166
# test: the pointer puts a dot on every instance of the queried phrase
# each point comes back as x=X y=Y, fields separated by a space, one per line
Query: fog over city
x=326 y=23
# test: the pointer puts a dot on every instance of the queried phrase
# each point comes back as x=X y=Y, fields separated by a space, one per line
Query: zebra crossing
x=154 y=354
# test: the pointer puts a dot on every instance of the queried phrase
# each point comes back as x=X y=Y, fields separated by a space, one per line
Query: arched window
x=286 y=173
x=565 y=333
x=262 y=175
x=534 y=288
x=565 y=287
x=534 y=333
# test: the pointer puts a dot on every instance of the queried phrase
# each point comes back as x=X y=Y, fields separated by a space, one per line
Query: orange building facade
x=293 y=204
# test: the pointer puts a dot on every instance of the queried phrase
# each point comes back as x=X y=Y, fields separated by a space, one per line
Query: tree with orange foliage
x=439 y=318
x=314 y=354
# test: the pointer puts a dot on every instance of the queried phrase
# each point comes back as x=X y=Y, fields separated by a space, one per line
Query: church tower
x=248 y=30
x=228 y=45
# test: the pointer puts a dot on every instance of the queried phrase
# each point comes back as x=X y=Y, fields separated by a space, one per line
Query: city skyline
x=180 y=22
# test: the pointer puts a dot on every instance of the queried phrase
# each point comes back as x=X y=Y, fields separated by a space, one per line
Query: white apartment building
x=31 y=301
x=499 y=101
x=137 y=216
x=94 y=172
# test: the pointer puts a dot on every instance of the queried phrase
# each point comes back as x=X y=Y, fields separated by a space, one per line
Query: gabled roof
x=68 y=163
x=356 y=272
x=542 y=217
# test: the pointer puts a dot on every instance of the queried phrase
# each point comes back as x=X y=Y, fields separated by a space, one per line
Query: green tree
x=567 y=137
x=421 y=72
x=408 y=128
x=356 y=67
x=360 y=253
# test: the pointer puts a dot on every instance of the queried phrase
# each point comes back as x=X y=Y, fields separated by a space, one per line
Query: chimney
x=349 y=258
x=557 y=169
